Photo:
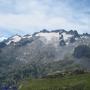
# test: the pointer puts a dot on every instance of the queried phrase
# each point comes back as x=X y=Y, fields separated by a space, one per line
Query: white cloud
x=35 y=15
x=23 y=22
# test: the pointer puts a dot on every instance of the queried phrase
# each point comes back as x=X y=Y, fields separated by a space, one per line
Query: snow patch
x=2 y=38
x=49 y=36
x=84 y=37
x=14 y=39
x=66 y=36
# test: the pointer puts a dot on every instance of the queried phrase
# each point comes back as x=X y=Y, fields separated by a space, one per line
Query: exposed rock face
x=45 y=41
x=82 y=51
x=42 y=52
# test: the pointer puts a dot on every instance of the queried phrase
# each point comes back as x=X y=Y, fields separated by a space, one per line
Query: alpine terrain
x=42 y=53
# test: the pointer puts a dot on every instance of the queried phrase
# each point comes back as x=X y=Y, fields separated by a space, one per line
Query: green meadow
x=68 y=82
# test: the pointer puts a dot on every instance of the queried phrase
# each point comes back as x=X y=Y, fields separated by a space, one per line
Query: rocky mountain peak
x=27 y=36
x=44 y=31
x=14 y=39
x=56 y=37
x=2 y=38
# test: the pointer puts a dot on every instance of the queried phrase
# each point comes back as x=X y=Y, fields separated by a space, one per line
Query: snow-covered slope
x=2 y=38
x=49 y=38
x=14 y=39
x=56 y=37
x=66 y=36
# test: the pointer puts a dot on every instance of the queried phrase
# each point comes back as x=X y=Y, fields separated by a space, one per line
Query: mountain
x=46 y=45
x=43 y=52
x=2 y=38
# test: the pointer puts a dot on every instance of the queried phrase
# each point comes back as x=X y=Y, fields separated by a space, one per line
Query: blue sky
x=28 y=16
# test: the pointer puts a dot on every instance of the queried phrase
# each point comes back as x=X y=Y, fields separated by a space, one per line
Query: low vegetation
x=77 y=81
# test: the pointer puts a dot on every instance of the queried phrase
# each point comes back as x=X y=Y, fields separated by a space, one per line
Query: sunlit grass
x=74 y=82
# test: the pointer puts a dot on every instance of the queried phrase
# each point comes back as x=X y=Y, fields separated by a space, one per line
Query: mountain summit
x=55 y=37
x=2 y=38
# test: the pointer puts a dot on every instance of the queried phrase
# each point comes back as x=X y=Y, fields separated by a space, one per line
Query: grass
x=68 y=82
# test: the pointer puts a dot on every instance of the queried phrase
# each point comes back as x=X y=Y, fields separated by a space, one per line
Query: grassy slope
x=74 y=82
